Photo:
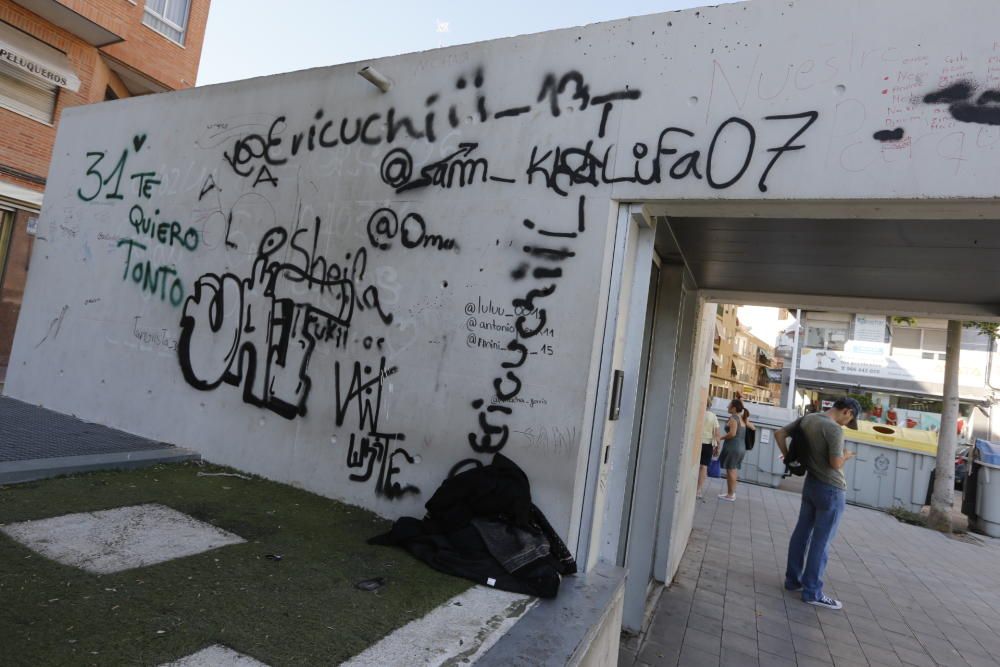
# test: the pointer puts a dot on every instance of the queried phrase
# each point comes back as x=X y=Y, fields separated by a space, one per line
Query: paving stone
x=710 y=598
x=880 y=654
x=713 y=611
x=906 y=642
x=847 y=650
x=806 y=661
x=659 y=653
x=741 y=643
x=704 y=623
x=694 y=657
x=980 y=661
x=626 y=658
x=772 y=660
x=775 y=628
x=740 y=625
x=897 y=608
x=733 y=658
x=915 y=658
x=812 y=649
x=941 y=650
x=896 y=627
x=705 y=641
x=806 y=632
x=849 y=662
x=780 y=647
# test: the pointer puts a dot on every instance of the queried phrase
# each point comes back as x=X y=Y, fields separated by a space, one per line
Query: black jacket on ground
x=482 y=525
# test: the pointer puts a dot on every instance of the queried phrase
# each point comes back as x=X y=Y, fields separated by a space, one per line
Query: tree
x=943 y=495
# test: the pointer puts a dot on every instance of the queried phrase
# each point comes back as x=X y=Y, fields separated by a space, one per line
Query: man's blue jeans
x=819 y=516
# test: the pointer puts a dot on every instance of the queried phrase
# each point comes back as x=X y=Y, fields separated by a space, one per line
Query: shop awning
x=36 y=58
x=20 y=197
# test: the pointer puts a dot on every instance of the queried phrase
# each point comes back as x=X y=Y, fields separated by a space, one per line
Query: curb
x=14 y=472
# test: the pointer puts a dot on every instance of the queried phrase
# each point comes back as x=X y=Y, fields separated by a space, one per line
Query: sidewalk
x=911 y=596
x=36 y=443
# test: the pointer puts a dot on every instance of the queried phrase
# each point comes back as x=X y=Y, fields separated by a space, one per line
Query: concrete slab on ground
x=457 y=632
x=912 y=596
x=216 y=656
x=119 y=539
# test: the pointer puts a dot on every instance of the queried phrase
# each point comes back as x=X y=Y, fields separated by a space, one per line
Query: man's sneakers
x=826 y=602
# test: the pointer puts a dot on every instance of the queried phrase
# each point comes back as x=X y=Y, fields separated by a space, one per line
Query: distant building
x=742 y=363
x=895 y=366
x=55 y=55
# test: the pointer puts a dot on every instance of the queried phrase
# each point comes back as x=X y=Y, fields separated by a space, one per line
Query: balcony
x=61 y=15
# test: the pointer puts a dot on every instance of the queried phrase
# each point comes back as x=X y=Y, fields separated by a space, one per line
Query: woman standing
x=709 y=444
x=733 y=448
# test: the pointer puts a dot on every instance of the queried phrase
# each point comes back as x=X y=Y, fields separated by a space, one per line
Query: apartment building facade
x=742 y=364
x=59 y=54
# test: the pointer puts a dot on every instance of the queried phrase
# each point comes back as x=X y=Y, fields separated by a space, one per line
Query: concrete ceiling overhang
x=136 y=82
x=71 y=21
x=914 y=264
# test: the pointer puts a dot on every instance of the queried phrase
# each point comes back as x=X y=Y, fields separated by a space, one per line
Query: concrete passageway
x=911 y=596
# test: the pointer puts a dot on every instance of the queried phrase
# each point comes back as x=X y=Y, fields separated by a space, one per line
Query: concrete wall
x=680 y=479
x=309 y=279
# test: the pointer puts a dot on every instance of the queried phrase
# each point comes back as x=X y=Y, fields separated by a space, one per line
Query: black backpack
x=798 y=444
x=749 y=438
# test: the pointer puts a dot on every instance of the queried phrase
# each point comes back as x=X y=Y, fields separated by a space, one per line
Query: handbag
x=714 y=469
x=749 y=438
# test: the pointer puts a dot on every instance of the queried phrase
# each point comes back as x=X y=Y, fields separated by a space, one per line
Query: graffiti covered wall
x=359 y=292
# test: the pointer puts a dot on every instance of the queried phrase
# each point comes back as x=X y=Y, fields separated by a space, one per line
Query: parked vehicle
x=961 y=466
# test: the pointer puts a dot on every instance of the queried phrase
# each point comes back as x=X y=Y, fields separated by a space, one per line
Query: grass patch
x=906 y=516
x=916 y=519
x=301 y=610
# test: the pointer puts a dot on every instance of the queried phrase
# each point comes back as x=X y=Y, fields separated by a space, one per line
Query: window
x=826 y=335
x=923 y=343
x=26 y=94
x=109 y=94
x=906 y=339
x=167 y=17
x=934 y=340
x=6 y=228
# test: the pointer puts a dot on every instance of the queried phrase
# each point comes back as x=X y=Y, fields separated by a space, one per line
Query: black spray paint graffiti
x=456 y=170
x=492 y=436
x=985 y=110
x=963 y=105
x=258 y=153
x=363 y=395
x=154 y=278
x=384 y=226
x=252 y=331
x=561 y=168
x=889 y=135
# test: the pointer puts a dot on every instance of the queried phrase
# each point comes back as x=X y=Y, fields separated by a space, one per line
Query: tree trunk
x=944 y=482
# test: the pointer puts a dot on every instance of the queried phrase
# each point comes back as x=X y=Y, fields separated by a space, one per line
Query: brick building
x=58 y=54
x=741 y=361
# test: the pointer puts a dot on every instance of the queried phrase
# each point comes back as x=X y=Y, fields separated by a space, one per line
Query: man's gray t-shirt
x=826 y=439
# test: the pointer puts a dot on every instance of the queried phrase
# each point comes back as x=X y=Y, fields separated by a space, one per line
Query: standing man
x=709 y=443
x=823 y=496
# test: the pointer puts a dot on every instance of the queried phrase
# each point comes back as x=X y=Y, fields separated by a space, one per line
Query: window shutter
x=26 y=94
